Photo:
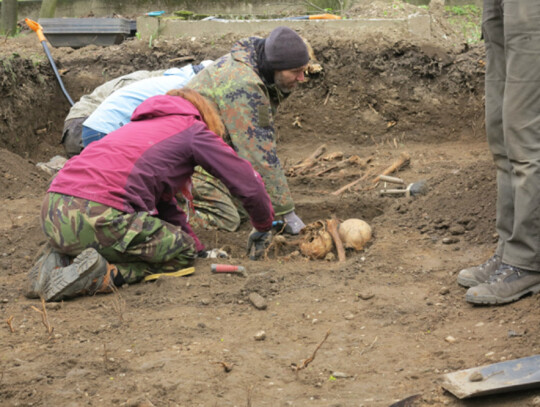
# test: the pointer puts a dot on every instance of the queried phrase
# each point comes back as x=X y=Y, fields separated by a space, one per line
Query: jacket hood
x=164 y=105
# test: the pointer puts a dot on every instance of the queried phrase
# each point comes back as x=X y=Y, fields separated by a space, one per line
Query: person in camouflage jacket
x=247 y=86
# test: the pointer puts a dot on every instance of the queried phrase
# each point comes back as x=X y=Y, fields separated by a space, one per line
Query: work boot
x=50 y=260
x=507 y=284
x=473 y=276
x=88 y=274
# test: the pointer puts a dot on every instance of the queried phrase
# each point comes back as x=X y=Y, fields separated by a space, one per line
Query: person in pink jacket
x=111 y=216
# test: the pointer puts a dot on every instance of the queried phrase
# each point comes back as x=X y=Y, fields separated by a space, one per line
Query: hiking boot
x=473 y=276
x=86 y=275
x=49 y=260
x=507 y=284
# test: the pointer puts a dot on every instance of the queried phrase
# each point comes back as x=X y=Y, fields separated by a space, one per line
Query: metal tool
x=511 y=375
x=413 y=189
x=391 y=180
x=38 y=29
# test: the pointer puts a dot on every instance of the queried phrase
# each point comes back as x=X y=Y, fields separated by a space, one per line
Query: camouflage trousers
x=138 y=244
x=215 y=207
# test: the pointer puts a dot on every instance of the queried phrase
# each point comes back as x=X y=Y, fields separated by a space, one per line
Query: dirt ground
x=396 y=319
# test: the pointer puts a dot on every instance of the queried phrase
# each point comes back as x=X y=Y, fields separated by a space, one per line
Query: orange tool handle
x=226 y=268
x=324 y=17
x=35 y=26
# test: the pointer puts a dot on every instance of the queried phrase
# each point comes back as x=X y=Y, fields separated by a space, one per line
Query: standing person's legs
x=519 y=272
x=493 y=33
x=521 y=121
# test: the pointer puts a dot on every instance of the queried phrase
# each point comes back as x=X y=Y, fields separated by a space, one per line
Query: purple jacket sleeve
x=169 y=211
x=220 y=160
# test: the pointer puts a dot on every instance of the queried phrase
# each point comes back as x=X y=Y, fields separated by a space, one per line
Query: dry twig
x=351 y=184
x=343 y=163
x=308 y=162
x=44 y=317
x=118 y=303
x=307 y=361
x=249 y=391
x=182 y=59
x=227 y=367
x=9 y=321
x=370 y=346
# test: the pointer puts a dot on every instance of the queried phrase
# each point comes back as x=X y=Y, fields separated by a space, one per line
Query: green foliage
x=184 y=14
x=467 y=20
x=465 y=10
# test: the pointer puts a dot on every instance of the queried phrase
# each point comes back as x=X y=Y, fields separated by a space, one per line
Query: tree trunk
x=8 y=23
x=48 y=8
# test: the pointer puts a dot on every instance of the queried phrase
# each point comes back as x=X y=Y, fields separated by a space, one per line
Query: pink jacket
x=141 y=166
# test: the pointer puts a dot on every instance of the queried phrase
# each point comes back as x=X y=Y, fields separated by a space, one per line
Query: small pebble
x=450 y=339
x=340 y=375
x=476 y=377
x=260 y=336
x=450 y=240
x=5 y=300
x=205 y=301
x=349 y=316
x=366 y=296
x=444 y=290
x=258 y=301
x=457 y=230
x=512 y=334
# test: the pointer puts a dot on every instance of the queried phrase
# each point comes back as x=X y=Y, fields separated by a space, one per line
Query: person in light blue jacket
x=116 y=110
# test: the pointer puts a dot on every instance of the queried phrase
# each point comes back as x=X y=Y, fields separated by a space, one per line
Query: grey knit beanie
x=285 y=49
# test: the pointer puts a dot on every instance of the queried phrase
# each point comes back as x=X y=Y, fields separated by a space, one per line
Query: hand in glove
x=257 y=243
x=213 y=254
x=293 y=224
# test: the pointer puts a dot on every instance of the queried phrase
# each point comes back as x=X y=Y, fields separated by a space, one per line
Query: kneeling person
x=113 y=207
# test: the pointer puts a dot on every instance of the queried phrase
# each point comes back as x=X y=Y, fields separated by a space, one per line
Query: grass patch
x=466 y=20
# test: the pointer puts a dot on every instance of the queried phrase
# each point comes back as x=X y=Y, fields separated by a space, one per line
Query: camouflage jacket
x=247 y=106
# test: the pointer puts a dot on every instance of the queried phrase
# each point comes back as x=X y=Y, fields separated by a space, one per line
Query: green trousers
x=215 y=207
x=511 y=29
x=138 y=244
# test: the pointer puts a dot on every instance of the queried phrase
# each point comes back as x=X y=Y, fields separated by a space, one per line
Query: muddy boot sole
x=492 y=299
x=68 y=281
x=40 y=272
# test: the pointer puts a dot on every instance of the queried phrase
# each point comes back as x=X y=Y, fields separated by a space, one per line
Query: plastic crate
x=79 y=32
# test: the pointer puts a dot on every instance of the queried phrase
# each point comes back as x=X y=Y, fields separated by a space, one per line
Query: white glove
x=293 y=224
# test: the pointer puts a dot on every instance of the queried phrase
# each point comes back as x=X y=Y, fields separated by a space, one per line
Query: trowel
x=413 y=189
x=511 y=375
